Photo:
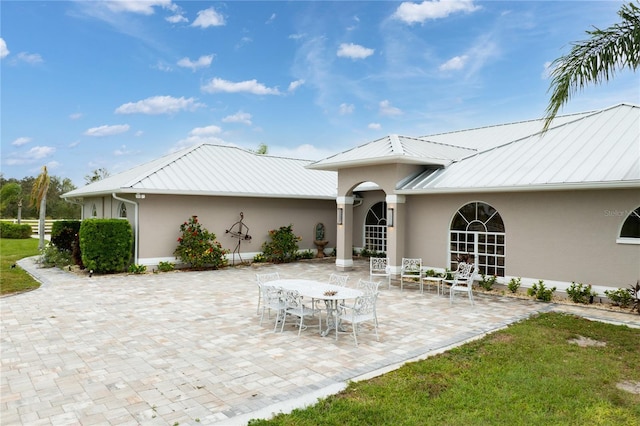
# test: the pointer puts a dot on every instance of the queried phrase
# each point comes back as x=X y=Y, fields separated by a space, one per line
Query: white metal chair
x=264 y=278
x=379 y=267
x=362 y=310
x=295 y=307
x=272 y=298
x=368 y=287
x=339 y=280
x=411 y=272
x=463 y=281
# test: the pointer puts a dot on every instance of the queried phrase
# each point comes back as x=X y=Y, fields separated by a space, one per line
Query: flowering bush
x=198 y=247
x=283 y=246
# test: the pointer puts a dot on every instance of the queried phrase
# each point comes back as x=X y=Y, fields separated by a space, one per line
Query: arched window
x=477 y=229
x=94 y=210
x=122 y=210
x=375 y=228
x=631 y=227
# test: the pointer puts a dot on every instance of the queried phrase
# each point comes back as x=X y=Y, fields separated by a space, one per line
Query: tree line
x=18 y=194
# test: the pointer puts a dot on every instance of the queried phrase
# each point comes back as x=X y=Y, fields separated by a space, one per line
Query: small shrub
x=259 y=258
x=51 y=256
x=15 y=231
x=307 y=254
x=579 y=293
x=198 y=247
x=620 y=297
x=283 y=246
x=166 y=267
x=430 y=273
x=137 y=269
x=635 y=296
x=106 y=245
x=540 y=292
x=64 y=233
x=514 y=284
x=487 y=283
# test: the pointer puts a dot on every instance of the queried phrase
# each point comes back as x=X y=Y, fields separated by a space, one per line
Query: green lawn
x=527 y=374
x=14 y=280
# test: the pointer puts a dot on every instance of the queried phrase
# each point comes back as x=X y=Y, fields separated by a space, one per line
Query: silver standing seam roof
x=586 y=150
x=208 y=169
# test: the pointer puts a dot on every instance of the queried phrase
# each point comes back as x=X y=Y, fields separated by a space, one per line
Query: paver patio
x=187 y=347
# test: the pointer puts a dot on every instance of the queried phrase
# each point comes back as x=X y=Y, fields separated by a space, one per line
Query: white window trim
x=627 y=240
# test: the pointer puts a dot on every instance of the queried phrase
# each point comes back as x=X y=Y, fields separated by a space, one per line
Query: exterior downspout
x=135 y=225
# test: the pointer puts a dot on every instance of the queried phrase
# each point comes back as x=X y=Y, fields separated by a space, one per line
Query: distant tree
x=595 y=60
x=97 y=174
x=39 y=198
x=11 y=193
x=263 y=149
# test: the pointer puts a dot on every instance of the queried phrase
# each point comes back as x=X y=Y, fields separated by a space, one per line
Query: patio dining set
x=306 y=301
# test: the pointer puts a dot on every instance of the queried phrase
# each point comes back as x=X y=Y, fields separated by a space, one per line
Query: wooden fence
x=35 y=224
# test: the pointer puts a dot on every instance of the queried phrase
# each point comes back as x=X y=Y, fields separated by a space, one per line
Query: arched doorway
x=478 y=229
x=375 y=228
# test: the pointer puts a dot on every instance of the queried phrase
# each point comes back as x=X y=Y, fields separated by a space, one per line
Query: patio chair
x=272 y=298
x=463 y=281
x=362 y=310
x=379 y=267
x=337 y=279
x=368 y=287
x=411 y=272
x=264 y=278
x=295 y=307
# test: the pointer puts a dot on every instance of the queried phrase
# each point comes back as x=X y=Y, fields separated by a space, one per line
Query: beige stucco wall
x=562 y=236
x=161 y=216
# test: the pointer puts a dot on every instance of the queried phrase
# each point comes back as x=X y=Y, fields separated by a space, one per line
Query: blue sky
x=112 y=84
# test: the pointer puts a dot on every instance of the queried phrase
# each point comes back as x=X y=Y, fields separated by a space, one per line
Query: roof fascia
x=632 y=184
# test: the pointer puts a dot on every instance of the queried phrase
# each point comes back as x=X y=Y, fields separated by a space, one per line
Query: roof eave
x=633 y=184
x=396 y=159
x=201 y=193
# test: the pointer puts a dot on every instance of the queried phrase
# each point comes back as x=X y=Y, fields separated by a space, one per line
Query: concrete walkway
x=187 y=347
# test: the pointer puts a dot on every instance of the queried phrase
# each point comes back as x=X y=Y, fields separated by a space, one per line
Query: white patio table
x=318 y=290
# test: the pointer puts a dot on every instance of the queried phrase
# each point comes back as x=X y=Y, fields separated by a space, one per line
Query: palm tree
x=595 y=60
x=39 y=198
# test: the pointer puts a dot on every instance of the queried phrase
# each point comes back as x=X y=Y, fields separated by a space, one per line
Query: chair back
x=365 y=306
x=293 y=301
x=411 y=266
x=264 y=278
x=378 y=265
x=465 y=273
x=340 y=280
x=368 y=287
x=271 y=296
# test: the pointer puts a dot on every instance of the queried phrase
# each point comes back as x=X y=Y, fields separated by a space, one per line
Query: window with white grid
x=375 y=228
x=477 y=230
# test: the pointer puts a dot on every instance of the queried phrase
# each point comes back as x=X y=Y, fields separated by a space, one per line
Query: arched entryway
x=375 y=228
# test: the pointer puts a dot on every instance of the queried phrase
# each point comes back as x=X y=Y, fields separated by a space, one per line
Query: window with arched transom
x=477 y=229
x=122 y=210
x=94 y=210
x=630 y=231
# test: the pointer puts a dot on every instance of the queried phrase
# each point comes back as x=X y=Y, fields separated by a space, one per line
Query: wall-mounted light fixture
x=339 y=218
x=390 y=217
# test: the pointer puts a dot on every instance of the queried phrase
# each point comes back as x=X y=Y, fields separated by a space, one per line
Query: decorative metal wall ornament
x=238 y=231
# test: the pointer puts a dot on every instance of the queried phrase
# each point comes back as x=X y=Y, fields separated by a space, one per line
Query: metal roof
x=597 y=149
x=208 y=169
x=395 y=149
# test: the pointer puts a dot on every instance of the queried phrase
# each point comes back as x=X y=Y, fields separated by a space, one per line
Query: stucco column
x=396 y=224
x=344 y=238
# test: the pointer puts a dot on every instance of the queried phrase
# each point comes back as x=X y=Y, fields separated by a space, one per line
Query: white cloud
x=248 y=86
x=21 y=141
x=546 y=73
x=374 y=126
x=107 y=130
x=162 y=66
x=208 y=18
x=238 y=117
x=295 y=84
x=3 y=48
x=143 y=7
x=122 y=151
x=76 y=116
x=36 y=153
x=202 y=62
x=205 y=131
x=296 y=36
x=412 y=13
x=198 y=135
x=346 y=109
x=30 y=58
x=305 y=152
x=271 y=18
x=176 y=19
x=387 y=109
x=455 y=63
x=139 y=133
x=354 y=51
x=156 y=105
